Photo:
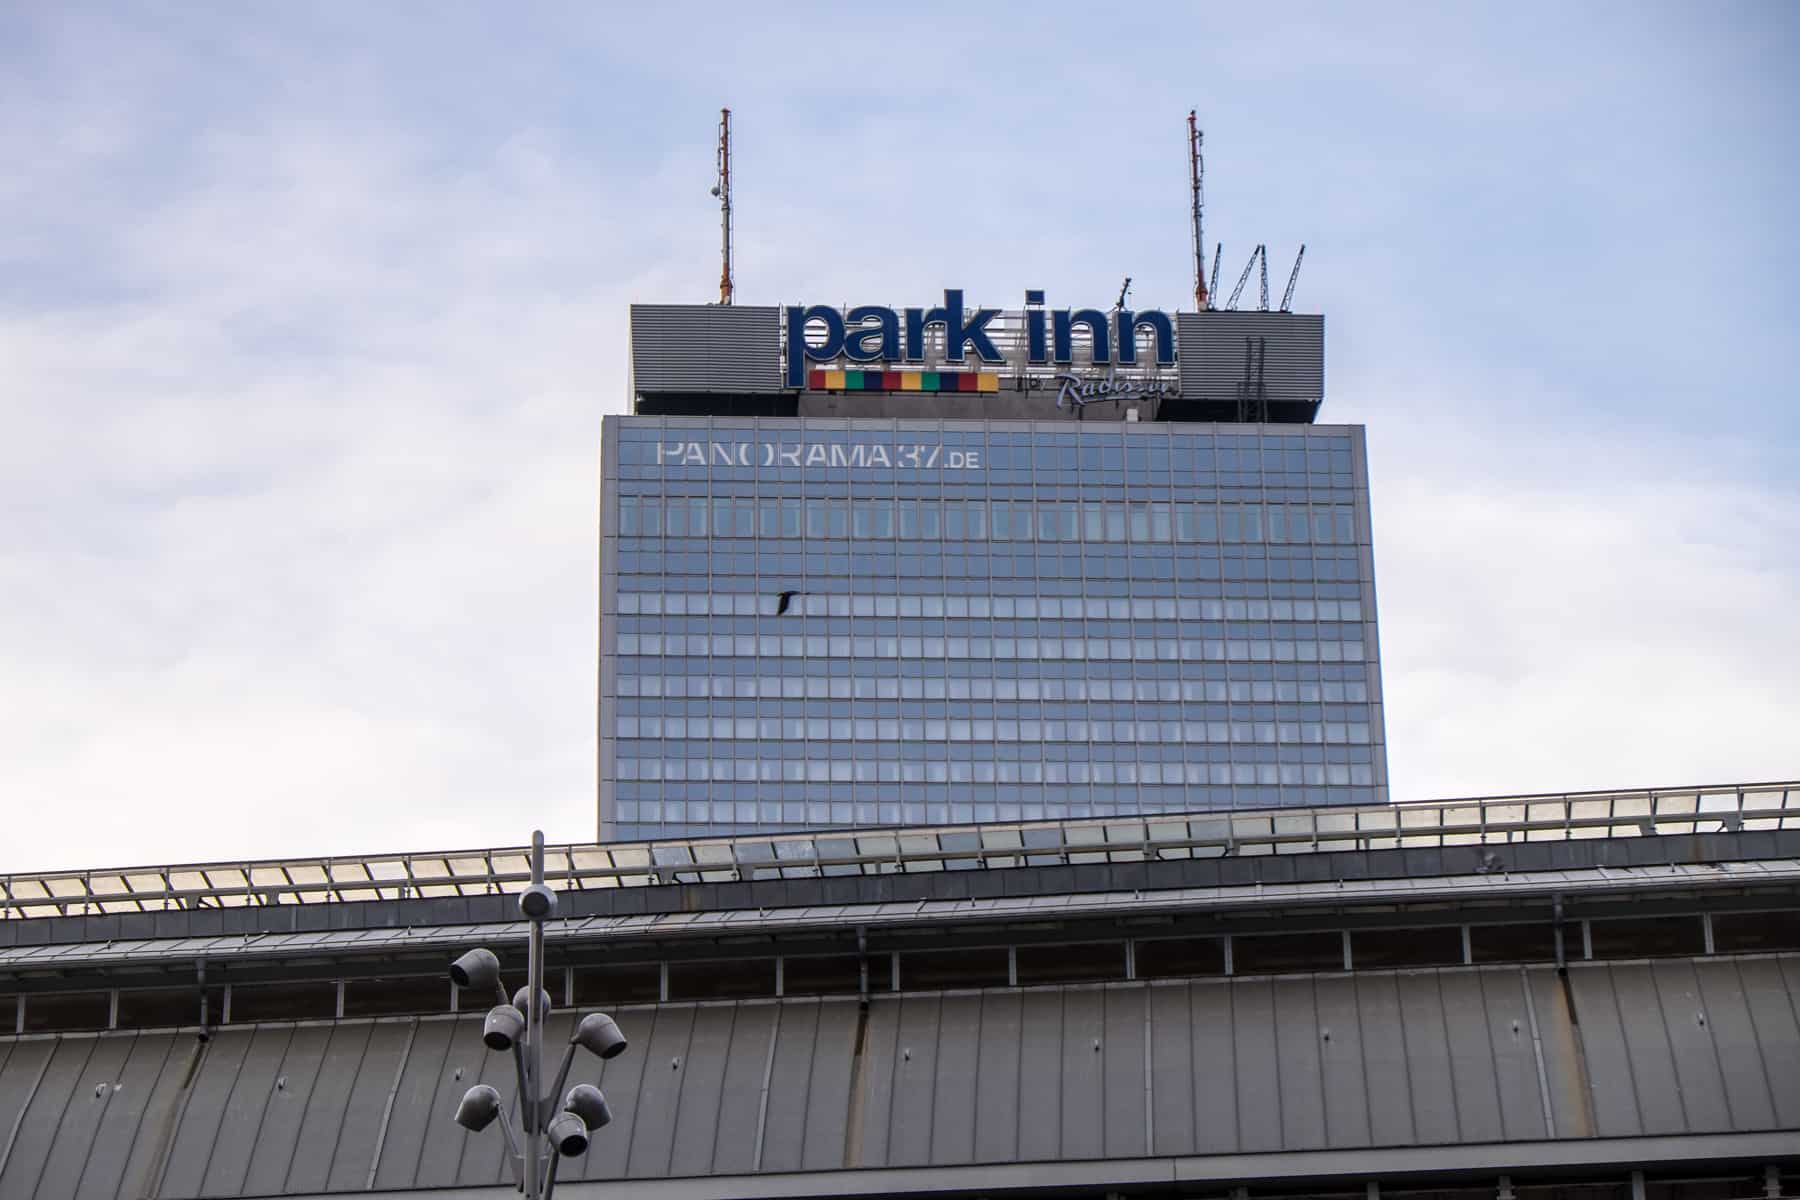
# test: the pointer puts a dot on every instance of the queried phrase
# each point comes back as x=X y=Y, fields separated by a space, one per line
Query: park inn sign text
x=872 y=333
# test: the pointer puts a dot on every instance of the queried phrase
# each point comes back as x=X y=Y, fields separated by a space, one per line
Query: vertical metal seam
x=1362 y=1056
x=1662 y=1013
x=1487 y=1020
x=30 y=1095
x=1537 y=1052
x=1406 y=1057
x=1149 y=1064
x=812 y=1073
x=158 y=1168
x=1437 y=981
x=712 y=1151
x=1625 y=1043
x=656 y=1013
x=438 y=1077
x=975 y=1083
x=762 y=1100
x=1712 y=1041
x=1237 y=1116
x=387 y=1109
x=1275 y=1040
x=937 y=1046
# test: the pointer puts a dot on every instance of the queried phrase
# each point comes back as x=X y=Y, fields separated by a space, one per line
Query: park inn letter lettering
x=871 y=333
x=912 y=456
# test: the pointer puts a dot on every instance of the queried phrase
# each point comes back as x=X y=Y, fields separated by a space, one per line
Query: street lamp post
x=546 y=1135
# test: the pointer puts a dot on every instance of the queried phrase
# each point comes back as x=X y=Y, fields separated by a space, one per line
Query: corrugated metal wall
x=1122 y=1070
x=1212 y=354
x=710 y=348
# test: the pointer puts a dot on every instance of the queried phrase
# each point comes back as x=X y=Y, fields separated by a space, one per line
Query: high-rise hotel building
x=918 y=566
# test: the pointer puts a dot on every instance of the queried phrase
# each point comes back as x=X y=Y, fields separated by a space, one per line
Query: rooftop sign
x=872 y=333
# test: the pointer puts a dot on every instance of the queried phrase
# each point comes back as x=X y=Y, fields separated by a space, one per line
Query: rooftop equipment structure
x=722 y=189
x=1196 y=180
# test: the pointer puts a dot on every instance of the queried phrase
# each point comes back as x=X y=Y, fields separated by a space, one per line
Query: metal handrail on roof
x=889 y=850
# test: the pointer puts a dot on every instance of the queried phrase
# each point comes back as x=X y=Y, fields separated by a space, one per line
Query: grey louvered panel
x=1212 y=354
x=712 y=348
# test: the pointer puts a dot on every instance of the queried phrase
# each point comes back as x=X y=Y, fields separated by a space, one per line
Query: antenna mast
x=1196 y=179
x=722 y=189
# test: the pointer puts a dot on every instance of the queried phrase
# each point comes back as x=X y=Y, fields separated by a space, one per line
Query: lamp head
x=523 y=996
x=537 y=902
x=504 y=1026
x=568 y=1135
x=600 y=1034
x=480 y=1105
x=586 y=1101
x=476 y=969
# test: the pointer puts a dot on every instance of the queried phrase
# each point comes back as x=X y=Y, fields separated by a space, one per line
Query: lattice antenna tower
x=1196 y=184
x=722 y=189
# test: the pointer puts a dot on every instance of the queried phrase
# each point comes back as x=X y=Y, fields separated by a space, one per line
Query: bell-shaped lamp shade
x=586 y=1102
x=480 y=1105
x=543 y=1012
x=568 y=1135
x=476 y=969
x=600 y=1034
x=504 y=1026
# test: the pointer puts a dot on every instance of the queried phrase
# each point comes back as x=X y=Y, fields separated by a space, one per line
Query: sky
x=309 y=315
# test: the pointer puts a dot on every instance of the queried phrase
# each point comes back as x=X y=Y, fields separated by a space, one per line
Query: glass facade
x=809 y=623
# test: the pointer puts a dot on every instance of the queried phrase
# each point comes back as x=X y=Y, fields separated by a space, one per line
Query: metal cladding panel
x=1385 y=1073
x=958 y=1058
x=441 y=1144
x=1652 y=1073
x=414 y=1109
x=659 y=1093
x=243 y=1117
x=1702 y=1084
x=1516 y=1076
x=1174 y=1075
x=82 y=1119
x=322 y=1117
x=1341 y=1061
x=207 y=1100
x=1472 y=1072
x=1749 y=1095
x=122 y=1126
x=743 y=1100
x=1122 y=1056
x=1430 y=1078
x=1218 y=1114
x=783 y=1060
x=914 y=1081
x=273 y=1150
x=1771 y=988
x=696 y=1132
x=828 y=1085
x=1612 y=1088
x=1301 y=1079
x=1259 y=1097
x=1039 y=1100
x=385 y=1055
x=685 y=348
x=997 y=1097
x=1569 y=1104
x=1084 y=1098
x=873 y=1094
x=1213 y=346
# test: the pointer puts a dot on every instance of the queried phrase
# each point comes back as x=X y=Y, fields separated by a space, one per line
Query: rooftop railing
x=885 y=851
